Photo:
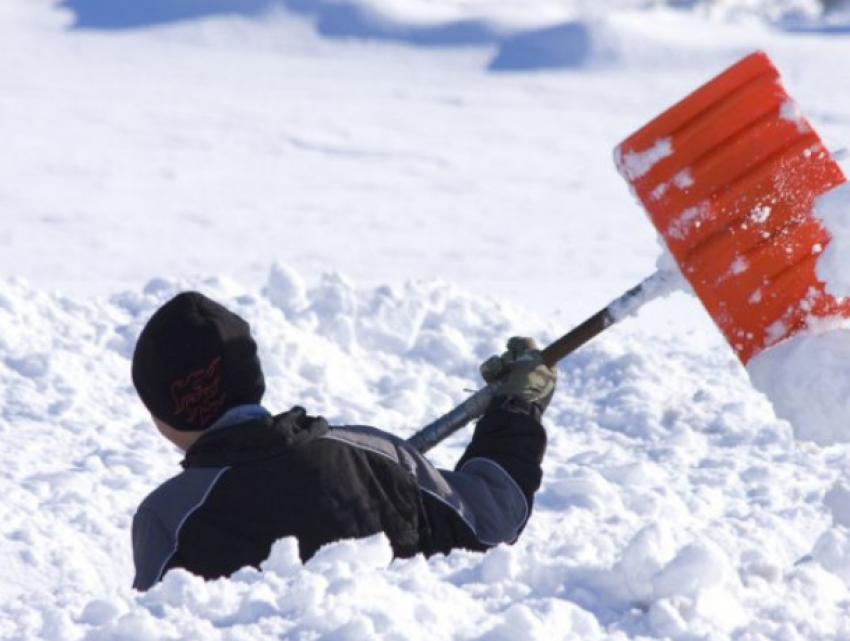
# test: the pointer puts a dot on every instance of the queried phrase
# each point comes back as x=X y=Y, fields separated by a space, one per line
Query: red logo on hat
x=199 y=395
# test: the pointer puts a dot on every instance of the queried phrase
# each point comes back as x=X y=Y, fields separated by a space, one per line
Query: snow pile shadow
x=572 y=44
x=584 y=40
x=581 y=42
x=575 y=43
x=128 y=14
x=332 y=19
x=817 y=28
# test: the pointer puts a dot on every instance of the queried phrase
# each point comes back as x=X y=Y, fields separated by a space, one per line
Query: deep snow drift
x=674 y=503
x=257 y=161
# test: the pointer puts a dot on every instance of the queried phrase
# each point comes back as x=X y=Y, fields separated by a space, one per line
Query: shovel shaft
x=448 y=424
x=473 y=407
x=578 y=336
x=660 y=283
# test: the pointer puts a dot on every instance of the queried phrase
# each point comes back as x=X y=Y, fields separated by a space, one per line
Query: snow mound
x=572 y=44
x=659 y=38
x=833 y=209
x=665 y=509
x=807 y=378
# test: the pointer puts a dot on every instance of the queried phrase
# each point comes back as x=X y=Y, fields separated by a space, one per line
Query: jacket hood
x=255 y=439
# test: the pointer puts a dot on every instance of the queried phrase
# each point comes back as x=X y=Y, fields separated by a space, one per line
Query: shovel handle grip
x=476 y=405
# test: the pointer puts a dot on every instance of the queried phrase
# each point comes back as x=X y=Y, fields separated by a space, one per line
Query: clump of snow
x=738 y=266
x=658 y=192
x=790 y=110
x=832 y=549
x=286 y=290
x=760 y=214
x=690 y=218
x=660 y=284
x=837 y=501
x=776 y=331
x=683 y=179
x=833 y=268
x=807 y=378
x=666 y=262
x=634 y=164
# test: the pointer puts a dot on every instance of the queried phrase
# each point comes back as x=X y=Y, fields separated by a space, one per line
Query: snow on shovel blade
x=729 y=177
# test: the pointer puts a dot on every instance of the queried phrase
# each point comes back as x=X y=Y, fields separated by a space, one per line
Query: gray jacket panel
x=158 y=520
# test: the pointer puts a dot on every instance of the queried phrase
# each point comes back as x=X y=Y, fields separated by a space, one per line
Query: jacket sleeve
x=510 y=436
x=494 y=481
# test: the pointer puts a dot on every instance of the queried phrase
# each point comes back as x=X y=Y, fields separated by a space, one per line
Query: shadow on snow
x=334 y=19
x=568 y=45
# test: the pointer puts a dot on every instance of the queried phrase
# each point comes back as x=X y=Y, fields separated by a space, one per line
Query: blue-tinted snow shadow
x=333 y=19
x=835 y=29
x=129 y=14
x=567 y=45
x=353 y=22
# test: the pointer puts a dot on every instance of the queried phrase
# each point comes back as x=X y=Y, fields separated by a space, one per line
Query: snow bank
x=673 y=504
x=345 y=592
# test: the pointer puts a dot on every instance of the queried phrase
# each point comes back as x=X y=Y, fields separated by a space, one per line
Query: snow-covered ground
x=387 y=190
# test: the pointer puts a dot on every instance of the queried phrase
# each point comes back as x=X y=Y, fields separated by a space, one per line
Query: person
x=250 y=478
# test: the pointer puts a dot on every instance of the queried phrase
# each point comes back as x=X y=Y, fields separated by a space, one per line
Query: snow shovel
x=729 y=178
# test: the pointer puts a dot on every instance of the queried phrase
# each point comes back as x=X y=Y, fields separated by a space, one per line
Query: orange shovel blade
x=729 y=177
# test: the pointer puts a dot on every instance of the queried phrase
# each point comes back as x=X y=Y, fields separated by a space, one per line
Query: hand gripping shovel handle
x=473 y=407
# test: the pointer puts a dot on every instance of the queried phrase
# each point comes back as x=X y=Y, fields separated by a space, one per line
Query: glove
x=522 y=373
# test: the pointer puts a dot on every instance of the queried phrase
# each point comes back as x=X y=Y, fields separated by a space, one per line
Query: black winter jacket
x=247 y=485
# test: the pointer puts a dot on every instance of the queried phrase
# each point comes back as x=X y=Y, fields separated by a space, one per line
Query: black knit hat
x=194 y=360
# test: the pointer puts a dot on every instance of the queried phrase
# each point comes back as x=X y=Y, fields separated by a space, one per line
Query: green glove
x=522 y=373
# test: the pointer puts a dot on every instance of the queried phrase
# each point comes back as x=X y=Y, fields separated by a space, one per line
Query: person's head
x=193 y=361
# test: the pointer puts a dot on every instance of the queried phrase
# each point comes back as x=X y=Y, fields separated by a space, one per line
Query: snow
x=690 y=218
x=791 y=111
x=637 y=163
x=387 y=191
x=663 y=282
x=833 y=210
x=807 y=377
